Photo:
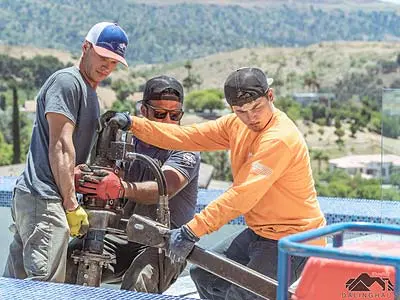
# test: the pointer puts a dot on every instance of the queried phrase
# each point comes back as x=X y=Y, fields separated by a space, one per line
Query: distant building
x=308 y=98
x=29 y=106
x=368 y=166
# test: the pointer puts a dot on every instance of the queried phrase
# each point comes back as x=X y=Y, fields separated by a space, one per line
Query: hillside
x=30 y=52
x=331 y=61
x=161 y=33
x=322 y=4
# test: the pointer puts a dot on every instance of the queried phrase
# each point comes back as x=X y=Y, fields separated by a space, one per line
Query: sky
x=392 y=1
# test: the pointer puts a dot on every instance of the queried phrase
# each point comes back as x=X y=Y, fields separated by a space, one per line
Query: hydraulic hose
x=160 y=178
x=163 y=214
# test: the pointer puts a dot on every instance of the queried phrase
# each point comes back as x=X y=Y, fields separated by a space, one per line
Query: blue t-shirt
x=67 y=93
x=182 y=206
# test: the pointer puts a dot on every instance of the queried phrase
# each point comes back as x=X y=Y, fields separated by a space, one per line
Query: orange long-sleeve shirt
x=273 y=185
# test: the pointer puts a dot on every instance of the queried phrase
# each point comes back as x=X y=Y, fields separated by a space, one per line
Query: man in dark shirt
x=44 y=208
x=139 y=265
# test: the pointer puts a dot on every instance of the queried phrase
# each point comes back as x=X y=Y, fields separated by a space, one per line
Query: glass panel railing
x=390 y=163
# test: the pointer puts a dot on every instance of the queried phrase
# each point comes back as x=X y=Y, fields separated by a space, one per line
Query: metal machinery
x=145 y=231
x=107 y=217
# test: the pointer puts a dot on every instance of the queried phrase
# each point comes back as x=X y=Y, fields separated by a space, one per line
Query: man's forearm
x=198 y=137
x=62 y=162
x=141 y=192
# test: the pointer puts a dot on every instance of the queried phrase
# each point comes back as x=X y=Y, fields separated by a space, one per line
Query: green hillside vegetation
x=322 y=4
x=160 y=33
x=20 y=79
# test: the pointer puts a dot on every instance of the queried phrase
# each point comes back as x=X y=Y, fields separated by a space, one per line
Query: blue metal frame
x=293 y=245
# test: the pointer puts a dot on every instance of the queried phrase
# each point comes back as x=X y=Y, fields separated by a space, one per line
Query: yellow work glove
x=78 y=222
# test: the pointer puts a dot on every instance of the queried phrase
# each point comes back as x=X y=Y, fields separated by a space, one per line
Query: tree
x=290 y=80
x=340 y=184
x=25 y=133
x=191 y=79
x=23 y=75
x=15 y=127
x=199 y=101
x=221 y=163
x=2 y=102
x=375 y=125
x=395 y=179
x=311 y=81
x=340 y=133
x=123 y=88
x=354 y=127
x=6 y=152
x=290 y=106
x=319 y=156
x=391 y=126
x=319 y=111
x=306 y=113
x=321 y=132
x=38 y=69
x=11 y=76
x=125 y=106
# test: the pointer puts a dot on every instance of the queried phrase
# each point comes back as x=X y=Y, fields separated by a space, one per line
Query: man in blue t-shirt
x=139 y=265
x=44 y=208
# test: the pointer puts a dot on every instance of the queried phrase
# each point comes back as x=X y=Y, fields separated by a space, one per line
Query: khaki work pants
x=41 y=235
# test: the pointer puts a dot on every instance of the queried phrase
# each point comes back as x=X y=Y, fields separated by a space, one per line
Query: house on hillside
x=29 y=106
x=308 y=98
x=368 y=166
x=29 y=109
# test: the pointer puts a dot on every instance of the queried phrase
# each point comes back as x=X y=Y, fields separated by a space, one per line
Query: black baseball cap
x=163 y=87
x=245 y=85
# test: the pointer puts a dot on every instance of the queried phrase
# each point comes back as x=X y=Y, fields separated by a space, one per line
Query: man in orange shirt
x=273 y=187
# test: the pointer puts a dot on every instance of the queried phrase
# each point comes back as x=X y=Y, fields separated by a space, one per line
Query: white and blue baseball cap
x=109 y=40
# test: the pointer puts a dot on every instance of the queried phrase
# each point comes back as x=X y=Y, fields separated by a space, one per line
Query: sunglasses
x=161 y=113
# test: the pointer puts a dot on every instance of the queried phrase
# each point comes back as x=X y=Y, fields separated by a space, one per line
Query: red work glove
x=80 y=171
x=102 y=184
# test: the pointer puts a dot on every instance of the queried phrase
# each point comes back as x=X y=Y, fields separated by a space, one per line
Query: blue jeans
x=246 y=248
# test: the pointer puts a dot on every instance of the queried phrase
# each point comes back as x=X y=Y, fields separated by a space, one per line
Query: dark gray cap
x=245 y=85
x=157 y=87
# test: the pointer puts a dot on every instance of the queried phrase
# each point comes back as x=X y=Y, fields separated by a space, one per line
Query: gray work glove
x=181 y=243
x=122 y=120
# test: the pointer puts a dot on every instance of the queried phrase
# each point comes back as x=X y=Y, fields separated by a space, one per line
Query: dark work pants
x=246 y=248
